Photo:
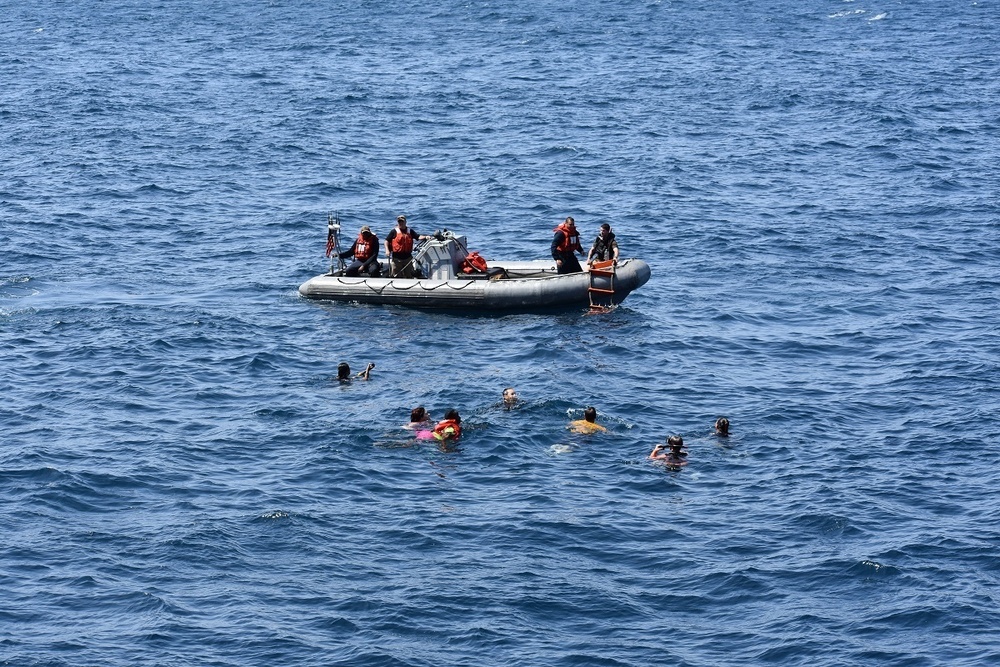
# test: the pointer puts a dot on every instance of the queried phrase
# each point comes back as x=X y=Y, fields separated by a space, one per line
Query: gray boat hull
x=525 y=286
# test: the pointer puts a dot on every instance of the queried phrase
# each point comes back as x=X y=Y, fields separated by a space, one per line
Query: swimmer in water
x=675 y=456
x=418 y=418
x=449 y=428
x=509 y=398
x=588 y=424
x=722 y=427
x=344 y=372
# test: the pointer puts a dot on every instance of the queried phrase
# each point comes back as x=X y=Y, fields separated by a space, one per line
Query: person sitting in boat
x=365 y=252
x=588 y=424
x=605 y=246
x=722 y=427
x=566 y=242
x=418 y=418
x=399 y=246
x=675 y=456
x=344 y=372
x=450 y=428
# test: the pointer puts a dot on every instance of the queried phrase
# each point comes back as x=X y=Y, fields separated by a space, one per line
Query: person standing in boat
x=365 y=252
x=605 y=246
x=399 y=246
x=566 y=242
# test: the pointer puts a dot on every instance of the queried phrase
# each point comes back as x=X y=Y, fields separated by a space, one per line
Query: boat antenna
x=333 y=240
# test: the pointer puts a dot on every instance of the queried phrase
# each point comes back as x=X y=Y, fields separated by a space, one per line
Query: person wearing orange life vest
x=450 y=428
x=566 y=242
x=399 y=246
x=365 y=252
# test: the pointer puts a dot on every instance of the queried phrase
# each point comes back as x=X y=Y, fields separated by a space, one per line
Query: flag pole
x=333 y=240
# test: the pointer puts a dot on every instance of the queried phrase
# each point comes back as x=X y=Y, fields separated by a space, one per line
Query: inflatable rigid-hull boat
x=512 y=285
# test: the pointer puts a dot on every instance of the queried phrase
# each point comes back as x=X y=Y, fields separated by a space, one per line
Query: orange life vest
x=442 y=426
x=401 y=242
x=364 y=249
x=571 y=239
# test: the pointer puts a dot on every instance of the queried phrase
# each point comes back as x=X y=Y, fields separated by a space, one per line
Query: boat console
x=440 y=256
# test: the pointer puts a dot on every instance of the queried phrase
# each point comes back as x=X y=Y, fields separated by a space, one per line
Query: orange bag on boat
x=473 y=263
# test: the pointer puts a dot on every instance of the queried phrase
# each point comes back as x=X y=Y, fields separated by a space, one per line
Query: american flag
x=330 y=242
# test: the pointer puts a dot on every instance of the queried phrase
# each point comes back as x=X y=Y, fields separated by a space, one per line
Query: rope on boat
x=431 y=289
x=379 y=290
x=376 y=290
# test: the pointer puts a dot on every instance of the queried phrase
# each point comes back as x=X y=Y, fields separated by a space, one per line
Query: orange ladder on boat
x=602 y=299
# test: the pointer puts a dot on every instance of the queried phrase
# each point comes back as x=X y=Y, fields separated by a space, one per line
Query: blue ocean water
x=813 y=184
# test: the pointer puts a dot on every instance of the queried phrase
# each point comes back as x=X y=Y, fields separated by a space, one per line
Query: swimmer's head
x=453 y=415
x=675 y=442
x=590 y=414
x=722 y=426
x=509 y=396
x=343 y=371
x=418 y=414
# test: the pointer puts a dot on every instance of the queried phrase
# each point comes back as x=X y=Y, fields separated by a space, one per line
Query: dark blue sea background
x=814 y=184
